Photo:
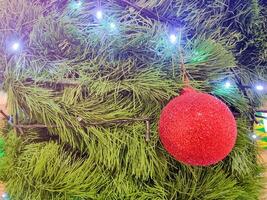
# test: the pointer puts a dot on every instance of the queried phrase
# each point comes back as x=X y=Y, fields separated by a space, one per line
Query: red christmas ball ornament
x=197 y=128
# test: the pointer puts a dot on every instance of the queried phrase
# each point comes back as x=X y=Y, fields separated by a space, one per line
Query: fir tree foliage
x=76 y=76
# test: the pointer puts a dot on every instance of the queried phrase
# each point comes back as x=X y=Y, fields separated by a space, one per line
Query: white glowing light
x=78 y=3
x=259 y=87
x=254 y=136
x=265 y=121
x=4 y=195
x=227 y=84
x=173 y=39
x=112 y=26
x=15 y=46
x=99 y=14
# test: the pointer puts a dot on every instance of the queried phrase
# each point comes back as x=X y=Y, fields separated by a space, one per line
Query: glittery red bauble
x=197 y=128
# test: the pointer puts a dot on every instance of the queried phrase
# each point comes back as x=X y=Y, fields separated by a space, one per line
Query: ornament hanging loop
x=183 y=71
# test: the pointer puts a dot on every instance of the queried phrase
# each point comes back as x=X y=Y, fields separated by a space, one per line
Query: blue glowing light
x=227 y=84
x=79 y=3
x=5 y=196
x=15 y=46
x=112 y=26
x=76 y=4
x=259 y=87
x=173 y=39
x=99 y=14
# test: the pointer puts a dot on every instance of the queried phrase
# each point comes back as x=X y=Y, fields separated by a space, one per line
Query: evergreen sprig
x=127 y=74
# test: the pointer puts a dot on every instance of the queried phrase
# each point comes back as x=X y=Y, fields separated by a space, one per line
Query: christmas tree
x=87 y=81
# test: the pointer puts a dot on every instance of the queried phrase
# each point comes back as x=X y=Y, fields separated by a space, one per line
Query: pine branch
x=30 y=81
x=150 y=14
x=4 y=115
x=20 y=127
x=32 y=126
x=107 y=123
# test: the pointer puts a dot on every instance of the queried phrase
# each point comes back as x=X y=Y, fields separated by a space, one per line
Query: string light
x=253 y=136
x=78 y=3
x=173 y=39
x=259 y=87
x=227 y=84
x=99 y=14
x=5 y=196
x=15 y=46
x=112 y=26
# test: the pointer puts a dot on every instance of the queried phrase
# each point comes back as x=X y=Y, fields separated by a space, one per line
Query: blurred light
x=254 y=137
x=5 y=196
x=265 y=120
x=173 y=39
x=112 y=26
x=78 y=3
x=227 y=84
x=259 y=87
x=99 y=14
x=15 y=46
